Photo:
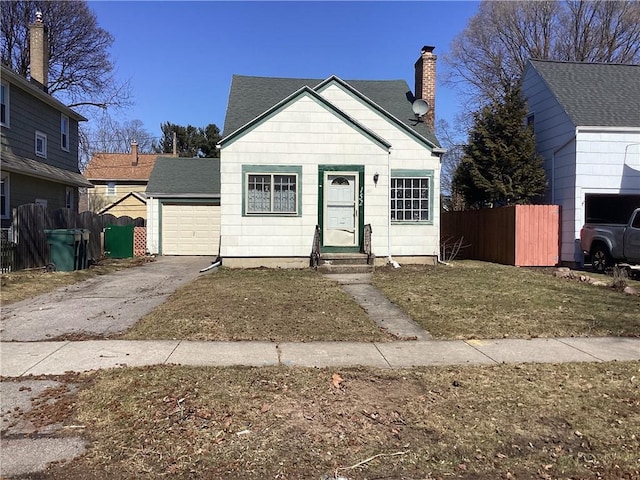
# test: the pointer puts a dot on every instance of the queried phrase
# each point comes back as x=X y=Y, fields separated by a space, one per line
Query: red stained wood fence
x=521 y=235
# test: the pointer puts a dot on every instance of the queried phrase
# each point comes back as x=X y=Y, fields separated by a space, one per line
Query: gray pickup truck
x=612 y=243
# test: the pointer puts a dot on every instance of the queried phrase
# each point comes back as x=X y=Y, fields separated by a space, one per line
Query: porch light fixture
x=376 y=177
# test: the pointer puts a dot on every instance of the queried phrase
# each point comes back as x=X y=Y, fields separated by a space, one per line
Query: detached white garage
x=183 y=207
x=190 y=229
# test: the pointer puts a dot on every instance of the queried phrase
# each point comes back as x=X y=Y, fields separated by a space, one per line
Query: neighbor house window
x=274 y=191
x=531 y=121
x=64 y=132
x=111 y=189
x=69 y=197
x=4 y=104
x=41 y=145
x=411 y=196
x=4 y=196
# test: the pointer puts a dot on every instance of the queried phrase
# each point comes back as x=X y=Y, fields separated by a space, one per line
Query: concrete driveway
x=102 y=305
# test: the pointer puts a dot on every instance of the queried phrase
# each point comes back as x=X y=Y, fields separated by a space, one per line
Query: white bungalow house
x=348 y=163
x=586 y=119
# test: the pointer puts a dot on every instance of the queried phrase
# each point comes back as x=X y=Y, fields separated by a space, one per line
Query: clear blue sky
x=180 y=56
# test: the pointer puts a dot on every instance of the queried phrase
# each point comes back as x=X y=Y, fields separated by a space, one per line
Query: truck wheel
x=600 y=259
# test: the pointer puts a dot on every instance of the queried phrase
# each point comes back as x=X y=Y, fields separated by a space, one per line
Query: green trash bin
x=64 y=248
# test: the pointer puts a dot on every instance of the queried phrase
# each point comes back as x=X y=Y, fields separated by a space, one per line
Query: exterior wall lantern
x=376 y=177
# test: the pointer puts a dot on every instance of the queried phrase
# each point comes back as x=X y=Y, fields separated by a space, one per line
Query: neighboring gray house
x=38 y=141
x=586 y=119
x=183 y=207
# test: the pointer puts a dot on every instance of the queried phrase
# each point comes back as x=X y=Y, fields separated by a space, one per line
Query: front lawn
x=259 y=304
x=528 y=421
x=473 y=299
x=467 y=300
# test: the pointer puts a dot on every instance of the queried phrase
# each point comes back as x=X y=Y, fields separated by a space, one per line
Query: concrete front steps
x=344 y=263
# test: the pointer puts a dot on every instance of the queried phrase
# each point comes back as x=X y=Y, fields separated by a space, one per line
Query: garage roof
x=185 y=177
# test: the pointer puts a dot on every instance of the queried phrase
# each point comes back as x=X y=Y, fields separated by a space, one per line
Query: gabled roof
x=305 y=91
x=252 y=96
x=120 y=166
x=185 y=177
x=37 y=92
x=141 y=196
x=34 y=168
x=594 y=94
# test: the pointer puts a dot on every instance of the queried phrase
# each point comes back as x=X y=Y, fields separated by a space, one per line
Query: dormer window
x=41 y=144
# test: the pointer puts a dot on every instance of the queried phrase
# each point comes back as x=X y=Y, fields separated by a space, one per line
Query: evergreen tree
x=191 y=141
x=500 y=165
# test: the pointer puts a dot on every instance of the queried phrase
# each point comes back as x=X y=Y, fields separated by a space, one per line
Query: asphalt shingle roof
x=185 y=177
x=120 y=166
x=594 y=94
x=251 y=96
x=35 y=168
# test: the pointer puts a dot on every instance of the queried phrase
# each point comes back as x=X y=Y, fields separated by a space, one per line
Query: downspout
x=391 y=260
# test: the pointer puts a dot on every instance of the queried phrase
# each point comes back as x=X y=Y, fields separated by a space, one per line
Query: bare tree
x=491 y=53
x=110 y=136
x=80 y=68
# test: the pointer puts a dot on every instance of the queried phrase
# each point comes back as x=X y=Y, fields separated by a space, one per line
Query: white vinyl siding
x=190 y=229
x=305 y=133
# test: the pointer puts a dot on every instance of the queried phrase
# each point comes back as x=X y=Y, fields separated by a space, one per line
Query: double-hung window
x=411 y=196
x=271 y=190
x=4 y=104
x=41 y=144
x=110 y=190
x=69 y=197
x=64 y=132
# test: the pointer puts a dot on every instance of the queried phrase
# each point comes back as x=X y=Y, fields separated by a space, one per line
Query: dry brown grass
x=259 y=304
x=23 y=284
x=483 y=300
x=484 y=422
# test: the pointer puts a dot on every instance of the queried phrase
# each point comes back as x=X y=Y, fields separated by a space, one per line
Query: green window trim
x=409 y=174
x=272 y=170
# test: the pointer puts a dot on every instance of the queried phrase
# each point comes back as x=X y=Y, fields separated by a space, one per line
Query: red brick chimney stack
x=134 y=153
x=426 y=83
x=39 y=53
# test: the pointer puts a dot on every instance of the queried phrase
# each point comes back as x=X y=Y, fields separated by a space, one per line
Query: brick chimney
x=39 y=53
x=426 y=83
x=134 y=153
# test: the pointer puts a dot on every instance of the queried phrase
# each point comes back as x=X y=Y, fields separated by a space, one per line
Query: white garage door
x=190 y=229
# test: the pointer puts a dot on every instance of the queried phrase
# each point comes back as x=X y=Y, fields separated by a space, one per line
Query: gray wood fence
x=30 y=222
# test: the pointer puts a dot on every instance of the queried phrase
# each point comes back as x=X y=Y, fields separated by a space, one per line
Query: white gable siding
x=406 y=153
x=305 y=134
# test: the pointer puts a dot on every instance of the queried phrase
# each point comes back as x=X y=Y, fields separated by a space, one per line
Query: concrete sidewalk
x=55 y=358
